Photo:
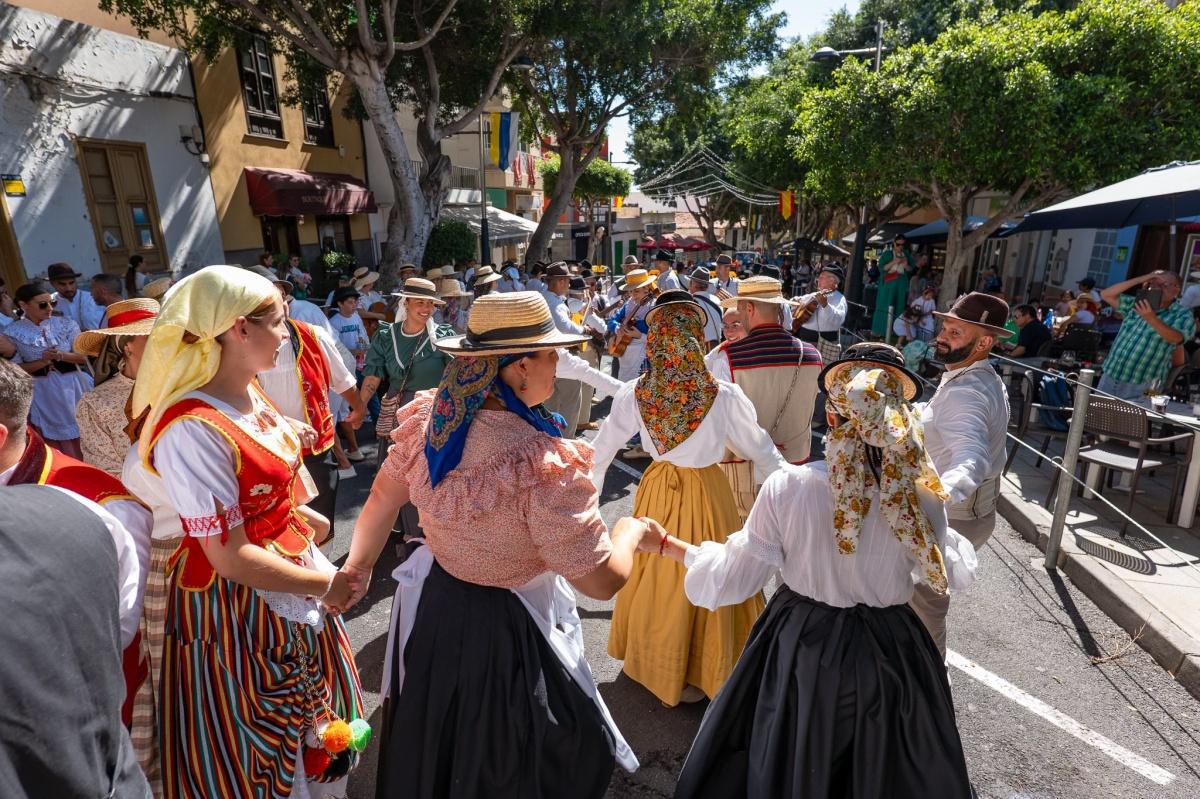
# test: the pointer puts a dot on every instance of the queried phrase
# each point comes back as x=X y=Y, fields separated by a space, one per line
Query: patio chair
x=1025 y=391
x=1083 y=340
x=1126 y=428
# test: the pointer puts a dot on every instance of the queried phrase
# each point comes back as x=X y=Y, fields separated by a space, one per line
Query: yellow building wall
x=232 y=148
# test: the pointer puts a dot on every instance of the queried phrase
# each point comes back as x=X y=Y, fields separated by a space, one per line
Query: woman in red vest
x=259 y=683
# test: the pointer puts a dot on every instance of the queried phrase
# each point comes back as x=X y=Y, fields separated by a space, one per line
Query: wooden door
x=12 y=270
x=120 y=197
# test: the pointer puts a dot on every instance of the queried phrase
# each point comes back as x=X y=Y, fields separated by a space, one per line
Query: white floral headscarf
x=871 y=400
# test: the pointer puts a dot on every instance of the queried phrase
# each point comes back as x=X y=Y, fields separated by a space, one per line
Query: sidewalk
x=1144 y=587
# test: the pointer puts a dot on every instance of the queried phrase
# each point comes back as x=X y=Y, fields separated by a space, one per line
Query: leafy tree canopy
x=599 y=181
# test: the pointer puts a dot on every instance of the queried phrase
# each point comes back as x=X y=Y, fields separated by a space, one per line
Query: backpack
x=1054 y=393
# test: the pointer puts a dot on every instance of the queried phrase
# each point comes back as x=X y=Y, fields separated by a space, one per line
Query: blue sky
x=804 y=17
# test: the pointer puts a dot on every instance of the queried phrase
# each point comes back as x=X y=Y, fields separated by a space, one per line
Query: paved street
x=1124 y=727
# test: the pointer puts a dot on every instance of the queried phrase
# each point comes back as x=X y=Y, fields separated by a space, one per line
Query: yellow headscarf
x=205 y=304
x=872 y=402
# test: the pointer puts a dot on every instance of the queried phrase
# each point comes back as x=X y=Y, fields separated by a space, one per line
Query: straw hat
x=418 y=288
x=155 y=289
x=434 y=274
x=366 y=280
x=125 y=318
x=636 y=278
x=485 y=275
x=408 y=268
x=981 y=310
x=757 y=289
x=508 y=323
x=361 y=272
x=876 y=354
x=450 y=287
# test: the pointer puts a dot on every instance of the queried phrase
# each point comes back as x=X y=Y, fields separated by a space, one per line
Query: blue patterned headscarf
x=466 y=383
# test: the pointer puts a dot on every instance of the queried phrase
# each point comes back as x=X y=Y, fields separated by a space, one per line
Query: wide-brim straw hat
x=636 y=278
x=361 y=272
x=155 y=289
x=757 y=289
x=366 y=280
x=982 y=311
x=125 y=318
x=450 y=287
x=882 y=355
x=418 y=288
x=485 y=275
x=436 y=273
x=509 y=323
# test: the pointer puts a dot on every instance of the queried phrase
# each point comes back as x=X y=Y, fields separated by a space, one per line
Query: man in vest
x=825 y=310
x=966 y=423
x=777 y=371
x=307 y=369
x=727 y=283
x=25 y=459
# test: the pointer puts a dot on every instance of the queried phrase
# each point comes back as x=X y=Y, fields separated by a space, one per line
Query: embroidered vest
x=43 y=465
x=266 y=496
x=313 y=374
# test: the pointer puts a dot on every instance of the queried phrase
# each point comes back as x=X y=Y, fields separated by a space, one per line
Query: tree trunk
x=409 y=222
x=560 y=199
x=956 y=258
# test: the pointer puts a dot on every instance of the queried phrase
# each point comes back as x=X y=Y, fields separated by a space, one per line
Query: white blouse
x=283 y=388
x=731 y=422
x=196 y=464
x=32 y=340
x=790 y=531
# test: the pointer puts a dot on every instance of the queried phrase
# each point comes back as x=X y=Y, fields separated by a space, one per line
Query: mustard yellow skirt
x=665 y=641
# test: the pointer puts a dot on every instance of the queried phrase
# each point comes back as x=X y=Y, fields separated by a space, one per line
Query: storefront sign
x=13 y=185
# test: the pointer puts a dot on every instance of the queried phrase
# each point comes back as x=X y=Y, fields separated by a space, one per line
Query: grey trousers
x=932 y=608
x=592 y=356
x=567 y=398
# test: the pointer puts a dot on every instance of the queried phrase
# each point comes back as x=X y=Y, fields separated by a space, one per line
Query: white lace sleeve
x=197 y=467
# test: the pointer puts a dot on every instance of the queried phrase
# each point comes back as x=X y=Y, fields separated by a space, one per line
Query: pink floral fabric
x=871 y=400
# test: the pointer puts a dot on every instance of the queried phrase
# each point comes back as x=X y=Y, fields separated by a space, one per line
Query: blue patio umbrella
x=936 y=232
x=1160 y=194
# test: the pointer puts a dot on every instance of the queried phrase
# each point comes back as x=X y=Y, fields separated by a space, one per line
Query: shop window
x=318 y=126
x=260 y=94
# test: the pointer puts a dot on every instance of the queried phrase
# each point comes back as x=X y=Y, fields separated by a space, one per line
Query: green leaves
x=600 y=180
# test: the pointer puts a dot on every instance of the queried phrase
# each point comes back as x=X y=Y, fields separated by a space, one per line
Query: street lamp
x=524 y=65
x=854 y=279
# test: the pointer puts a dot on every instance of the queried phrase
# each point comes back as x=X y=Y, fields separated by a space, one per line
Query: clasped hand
x=350 y=584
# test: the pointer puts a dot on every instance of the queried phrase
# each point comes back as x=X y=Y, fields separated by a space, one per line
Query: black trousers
x=325 y=476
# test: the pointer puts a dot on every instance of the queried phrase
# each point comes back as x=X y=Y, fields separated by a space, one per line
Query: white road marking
x=629 y=470
x=1060 y=720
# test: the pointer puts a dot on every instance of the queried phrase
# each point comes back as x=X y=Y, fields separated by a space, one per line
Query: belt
x=811 y=336
x=64 y=368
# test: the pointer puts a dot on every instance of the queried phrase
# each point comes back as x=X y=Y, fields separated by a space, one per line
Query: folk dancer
x=567 y=399
x=777 y=372
x=248 y=589
x=840 y=691
x=688 y=419
x=966 y=423
x=485 y=638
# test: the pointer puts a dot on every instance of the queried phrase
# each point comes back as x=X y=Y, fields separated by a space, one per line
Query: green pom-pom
x=360 y=734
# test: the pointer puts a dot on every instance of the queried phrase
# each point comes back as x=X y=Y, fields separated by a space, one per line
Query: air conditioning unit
x=528 y=202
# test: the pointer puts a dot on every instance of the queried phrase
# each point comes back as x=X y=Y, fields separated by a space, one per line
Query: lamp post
x=854 y=278
x=521 y=63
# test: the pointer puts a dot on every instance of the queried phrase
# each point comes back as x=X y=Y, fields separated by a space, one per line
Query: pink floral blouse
x=520 y=503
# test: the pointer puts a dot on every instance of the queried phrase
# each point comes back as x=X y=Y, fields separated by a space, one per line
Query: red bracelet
x=662 y=544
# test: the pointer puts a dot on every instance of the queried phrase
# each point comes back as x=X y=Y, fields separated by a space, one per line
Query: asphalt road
x=1136 y=731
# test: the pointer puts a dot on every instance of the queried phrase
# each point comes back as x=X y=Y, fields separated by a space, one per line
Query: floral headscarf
x=677 y=390
x=872 y=402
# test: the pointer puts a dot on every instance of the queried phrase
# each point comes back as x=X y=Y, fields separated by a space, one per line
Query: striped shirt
x=1141 y=355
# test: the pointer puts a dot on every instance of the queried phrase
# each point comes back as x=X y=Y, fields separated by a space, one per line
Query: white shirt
x=305 y=311
x=1083 y=317
x=572 y=367
x=966 y=426
x=712 y=314
x=729 y=285
x=731 y=422
x=351 y=331
x=281 y=385
x=149 y=488
x=82 y=310
x=129 y=525
x=718 y=364
x=561 y=314
x=830 y=318
x=927 y=305
x=365 y=301
x=790 y=530
x=668 y=280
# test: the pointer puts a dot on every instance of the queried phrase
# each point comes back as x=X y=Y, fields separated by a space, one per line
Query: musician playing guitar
x=819 y=316
x=627 y=327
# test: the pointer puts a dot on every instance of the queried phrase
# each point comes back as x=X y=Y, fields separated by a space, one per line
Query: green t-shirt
x=389 y=355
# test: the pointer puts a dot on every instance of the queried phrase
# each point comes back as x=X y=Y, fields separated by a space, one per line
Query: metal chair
x=1023 y=425
x=1120 y=421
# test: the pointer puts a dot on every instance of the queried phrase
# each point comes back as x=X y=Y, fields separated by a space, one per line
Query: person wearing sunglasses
x=43 y=344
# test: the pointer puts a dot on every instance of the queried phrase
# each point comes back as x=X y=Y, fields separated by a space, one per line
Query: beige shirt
x=101 y=417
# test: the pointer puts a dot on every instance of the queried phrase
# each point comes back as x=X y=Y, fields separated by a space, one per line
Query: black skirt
x=487 y=709
x=830 y=702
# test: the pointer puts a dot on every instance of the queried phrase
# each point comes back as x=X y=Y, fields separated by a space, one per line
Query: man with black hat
x=74 y=303
x=727 y=284
x=823 y=312
x=700 y=287
x=568 y=393
x=966 y=424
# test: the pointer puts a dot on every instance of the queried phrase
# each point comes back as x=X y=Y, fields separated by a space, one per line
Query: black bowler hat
x=770 y=270
x=835 y=270
x=344 y=293
x=61 y=272
x=883 y=355
x=674 y=297
x=700 y=274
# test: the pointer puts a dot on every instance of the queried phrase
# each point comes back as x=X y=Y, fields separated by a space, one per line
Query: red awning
x=294 y=192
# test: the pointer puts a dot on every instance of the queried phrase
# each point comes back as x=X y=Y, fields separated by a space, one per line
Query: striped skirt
x=233 y=705
x=665 y=640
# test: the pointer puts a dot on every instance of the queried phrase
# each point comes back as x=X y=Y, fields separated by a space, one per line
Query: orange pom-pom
x=316 y=761
x=337 y=736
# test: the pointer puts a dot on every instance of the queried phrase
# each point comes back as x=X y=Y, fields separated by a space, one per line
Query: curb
x=1171 y=647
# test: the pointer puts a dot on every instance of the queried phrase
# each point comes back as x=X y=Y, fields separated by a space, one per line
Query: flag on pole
x=494 y=139
x=505 y=140
x=787 y=204
x=618 y=202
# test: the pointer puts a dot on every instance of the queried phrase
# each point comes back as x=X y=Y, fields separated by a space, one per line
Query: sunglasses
x=46 y=305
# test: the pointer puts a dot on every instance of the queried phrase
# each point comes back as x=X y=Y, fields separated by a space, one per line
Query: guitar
x=804 y=312
x=618 y=342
